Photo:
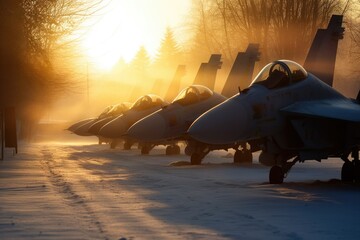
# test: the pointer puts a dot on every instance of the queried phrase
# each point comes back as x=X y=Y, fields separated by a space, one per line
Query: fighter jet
x=175 y=84
x=291 y=115
x=82 y=127
x=118 y=127
x=168 y=125
x=320 y=59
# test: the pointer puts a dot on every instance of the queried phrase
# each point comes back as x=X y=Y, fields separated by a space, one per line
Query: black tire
x=145 y=150
x=113 y=144
x=276 y=175
x=348 y=172
x=357 y=171
x=188 y=150
x=248 y=156
x=176 y=149
x=196 y=159
x=238 y=156
x=127 y=146
x=243 y=157
x=169 y=150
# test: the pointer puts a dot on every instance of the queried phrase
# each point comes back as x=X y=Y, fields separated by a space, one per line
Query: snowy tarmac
x=88 y=191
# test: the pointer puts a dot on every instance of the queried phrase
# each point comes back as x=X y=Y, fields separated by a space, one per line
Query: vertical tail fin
x=155 y=87
x=321 y=57
x=206 y=75
x=174 y=87
x=242 y=70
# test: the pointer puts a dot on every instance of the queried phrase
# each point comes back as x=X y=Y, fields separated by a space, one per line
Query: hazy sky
x=124 y=25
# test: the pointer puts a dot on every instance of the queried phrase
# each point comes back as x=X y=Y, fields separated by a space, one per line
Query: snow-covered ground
x=88 y=191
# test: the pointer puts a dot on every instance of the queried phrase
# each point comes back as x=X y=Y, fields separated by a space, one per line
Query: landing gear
x=350 y=171
x=243 y=156
x=172 y=150
x=276 y=175
x=357 y=171
x=145 y=149
x=196 y=158
x=113 y=144
x=347 y=172
x=189 y=150
x=127 y=145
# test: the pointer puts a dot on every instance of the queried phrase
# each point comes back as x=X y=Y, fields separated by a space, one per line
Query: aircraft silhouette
x=290 y=115
x=169 y=125
x=324 y=37
x=94 y=128
x=82 y=127
x=117 y=128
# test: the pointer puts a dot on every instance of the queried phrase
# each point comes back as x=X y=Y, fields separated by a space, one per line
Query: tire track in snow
x=66 y=190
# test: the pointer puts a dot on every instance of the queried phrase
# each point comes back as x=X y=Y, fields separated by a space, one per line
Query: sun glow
x=125 y=26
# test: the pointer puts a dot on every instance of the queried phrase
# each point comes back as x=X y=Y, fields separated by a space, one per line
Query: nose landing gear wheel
x=357 y=171
x=172 y=150
x=276 y=175
x=145 y=150
x=348 y=172
x=196 y=159
x=127 y=145
x=242 y=156
x=113 y=144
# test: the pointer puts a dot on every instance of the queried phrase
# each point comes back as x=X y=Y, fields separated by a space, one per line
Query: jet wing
x=337 y=109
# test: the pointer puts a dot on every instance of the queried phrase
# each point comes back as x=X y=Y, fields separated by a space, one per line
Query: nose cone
x=224 y=124
x=96 y=126
x=73 y=127
x=83 y=129
x=115 y=128
x=151 y=128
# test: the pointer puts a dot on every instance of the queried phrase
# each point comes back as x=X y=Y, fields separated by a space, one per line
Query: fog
x=48 y=77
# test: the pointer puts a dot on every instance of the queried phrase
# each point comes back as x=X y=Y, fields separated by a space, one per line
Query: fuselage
x=144 y=106
x=255 y=112
x=172 y=121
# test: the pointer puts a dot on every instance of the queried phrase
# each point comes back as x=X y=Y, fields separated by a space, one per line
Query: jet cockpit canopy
x=148 y=101
x=280 y=74
x=119 y=108
x=104 y=113
x=193 y=94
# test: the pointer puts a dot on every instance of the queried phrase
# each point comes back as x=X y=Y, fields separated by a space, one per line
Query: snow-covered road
x=86 y=191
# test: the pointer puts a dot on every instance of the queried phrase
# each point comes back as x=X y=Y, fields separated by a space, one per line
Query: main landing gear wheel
x=189 y=150
x=357 y=171
x=348 y=172
x=196 y=158
x=127 y=145
x=243 y=156
x=113 y=144
x=145 y=150
x=172 y=150
x=276 y=175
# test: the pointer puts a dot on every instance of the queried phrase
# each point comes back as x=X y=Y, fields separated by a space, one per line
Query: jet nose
x=76 y=125
x=83 y=129
x=115 y=128
x=95 y=127
x=224 y=124
x=150 y=128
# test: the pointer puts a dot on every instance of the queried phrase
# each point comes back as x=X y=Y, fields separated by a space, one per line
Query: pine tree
x=140 y=63
x=169 y=54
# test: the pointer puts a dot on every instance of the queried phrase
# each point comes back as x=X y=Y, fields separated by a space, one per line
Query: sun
x=123 y=27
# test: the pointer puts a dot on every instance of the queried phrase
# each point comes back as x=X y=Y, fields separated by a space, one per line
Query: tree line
x=38 y=43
